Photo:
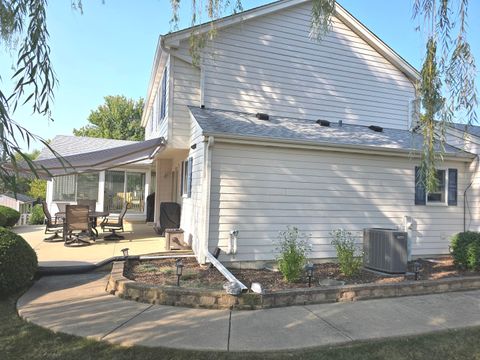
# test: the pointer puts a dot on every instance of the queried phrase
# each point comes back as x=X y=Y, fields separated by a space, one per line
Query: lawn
x=22 y=340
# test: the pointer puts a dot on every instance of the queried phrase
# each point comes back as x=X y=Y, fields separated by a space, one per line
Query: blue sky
x=109 y=50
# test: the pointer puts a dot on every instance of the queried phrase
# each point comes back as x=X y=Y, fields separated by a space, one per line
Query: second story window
x=163 y=99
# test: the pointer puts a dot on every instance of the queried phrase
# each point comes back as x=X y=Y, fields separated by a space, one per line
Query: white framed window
x=439 y=195
x=186 y=179
x=76 y=187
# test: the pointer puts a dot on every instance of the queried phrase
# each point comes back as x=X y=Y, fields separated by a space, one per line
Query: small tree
x=293 y=248
x=348 y=254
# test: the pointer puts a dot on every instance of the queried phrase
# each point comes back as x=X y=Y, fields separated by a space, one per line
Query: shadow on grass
x=22 y=340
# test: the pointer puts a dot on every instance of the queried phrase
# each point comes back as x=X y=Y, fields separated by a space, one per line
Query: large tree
x=118 y=118
x=447 y=89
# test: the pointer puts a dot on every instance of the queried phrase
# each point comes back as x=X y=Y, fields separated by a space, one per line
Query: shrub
x=37 y=217
x=18 y=262
x=466 y=250
x=11 y=216
x=348 y=254
x=293 y=248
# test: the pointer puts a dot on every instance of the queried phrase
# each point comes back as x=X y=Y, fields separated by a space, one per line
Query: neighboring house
x=232 y=168
x=20 y=202
x=109 y=187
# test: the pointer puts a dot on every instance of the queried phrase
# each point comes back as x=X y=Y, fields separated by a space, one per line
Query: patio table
x=93 y=215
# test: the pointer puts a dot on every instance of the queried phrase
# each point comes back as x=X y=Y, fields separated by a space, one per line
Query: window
x=64 y=188
x=445 y=192
x=438 y=195
x=75 y=187
x=87 y=186
x=163 y=101
x=121 y=186
x=186 y=184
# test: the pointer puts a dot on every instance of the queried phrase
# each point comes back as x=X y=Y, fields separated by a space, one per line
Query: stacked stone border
x=215 y=299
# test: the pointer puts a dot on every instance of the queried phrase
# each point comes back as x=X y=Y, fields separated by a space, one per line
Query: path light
x=309 y=269
x=416 y=268
x=125 y=253
x=179 y=265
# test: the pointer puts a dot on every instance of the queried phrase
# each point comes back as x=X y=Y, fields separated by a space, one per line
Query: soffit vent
x=323 y=122
x=262 y=116
x=376 y=128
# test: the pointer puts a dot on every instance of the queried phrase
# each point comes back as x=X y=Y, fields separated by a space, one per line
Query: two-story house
x=273 y=128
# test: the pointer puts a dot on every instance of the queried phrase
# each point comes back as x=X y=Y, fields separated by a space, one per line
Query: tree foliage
x=119 y=118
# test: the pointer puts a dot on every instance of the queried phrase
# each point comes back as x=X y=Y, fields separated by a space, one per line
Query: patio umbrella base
x=54 y=238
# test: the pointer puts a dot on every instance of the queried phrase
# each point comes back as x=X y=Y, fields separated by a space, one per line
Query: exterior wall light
x=125 y=253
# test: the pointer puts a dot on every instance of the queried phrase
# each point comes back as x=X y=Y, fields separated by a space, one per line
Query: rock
x=257 y=288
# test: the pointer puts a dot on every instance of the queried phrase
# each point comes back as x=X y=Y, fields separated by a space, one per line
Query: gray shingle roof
x=470 y=129
x=220 y=122
x=67 y=145
x=20 y=197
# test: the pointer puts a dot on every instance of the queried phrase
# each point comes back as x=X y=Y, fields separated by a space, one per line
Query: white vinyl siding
x=260 y=190
x=192 y=206
x=271 y=65
x=186 y=91
x=157 y=125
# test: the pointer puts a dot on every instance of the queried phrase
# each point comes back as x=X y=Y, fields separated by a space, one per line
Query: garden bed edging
x=125 y=288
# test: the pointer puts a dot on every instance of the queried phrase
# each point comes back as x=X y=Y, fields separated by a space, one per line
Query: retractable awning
x=97 y=160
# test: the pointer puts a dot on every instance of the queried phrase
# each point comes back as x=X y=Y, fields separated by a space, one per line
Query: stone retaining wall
x=215 y=299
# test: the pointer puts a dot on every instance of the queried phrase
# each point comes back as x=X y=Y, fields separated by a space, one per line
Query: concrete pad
x=280 y=329
x=374 y=319
x=175 y=327
x=450 y=310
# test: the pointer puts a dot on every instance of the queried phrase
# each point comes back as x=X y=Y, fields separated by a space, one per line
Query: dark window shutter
x=189 y=179
x=452 y=186
x=420 y=192
x=182 y=179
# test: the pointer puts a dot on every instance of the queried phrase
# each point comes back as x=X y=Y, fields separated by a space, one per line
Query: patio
x=140 y=239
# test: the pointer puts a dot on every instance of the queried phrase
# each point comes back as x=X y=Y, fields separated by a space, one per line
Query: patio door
x=121 y=186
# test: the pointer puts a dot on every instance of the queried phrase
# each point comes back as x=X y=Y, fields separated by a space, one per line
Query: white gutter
x=314 y=145
x=224 y=271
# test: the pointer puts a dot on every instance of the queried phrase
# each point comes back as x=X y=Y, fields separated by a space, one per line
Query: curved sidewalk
x=79 y=305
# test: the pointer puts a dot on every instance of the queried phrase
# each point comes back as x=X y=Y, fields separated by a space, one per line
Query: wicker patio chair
x=52 y=225
x=77 y=226
x=114 y=225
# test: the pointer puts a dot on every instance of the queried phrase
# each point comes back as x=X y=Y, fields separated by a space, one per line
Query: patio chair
x=77 y=225
x=114 y=225
x=52 y=225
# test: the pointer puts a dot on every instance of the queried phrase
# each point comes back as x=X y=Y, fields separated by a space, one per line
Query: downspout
x=465 y=195
x=206 y=196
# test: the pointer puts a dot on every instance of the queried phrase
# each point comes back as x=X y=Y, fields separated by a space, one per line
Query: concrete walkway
x=79 y=305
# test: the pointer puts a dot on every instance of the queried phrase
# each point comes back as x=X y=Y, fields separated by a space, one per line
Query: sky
x=109 y=50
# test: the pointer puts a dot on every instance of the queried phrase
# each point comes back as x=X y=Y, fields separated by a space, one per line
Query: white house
x=272 y=128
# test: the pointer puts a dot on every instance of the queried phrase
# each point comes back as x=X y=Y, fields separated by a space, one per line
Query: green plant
x=348 y=254
x=466 y=250
x=11 y=216
x=37 y=217
x=292 y=247
x=18 y=262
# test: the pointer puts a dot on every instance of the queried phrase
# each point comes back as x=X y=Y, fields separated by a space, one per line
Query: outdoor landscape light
x=416 y=268
x=179 y=265
x=125 y=253
x=309 y=269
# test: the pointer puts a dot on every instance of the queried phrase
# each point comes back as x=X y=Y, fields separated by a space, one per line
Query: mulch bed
x=162 y=272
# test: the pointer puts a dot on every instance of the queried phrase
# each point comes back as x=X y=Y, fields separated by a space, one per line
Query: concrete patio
x=140 y=239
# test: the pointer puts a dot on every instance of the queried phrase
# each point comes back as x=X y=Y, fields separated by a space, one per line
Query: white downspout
x=203 y=249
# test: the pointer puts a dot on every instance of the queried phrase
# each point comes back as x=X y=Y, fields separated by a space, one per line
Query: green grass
x=22 y=340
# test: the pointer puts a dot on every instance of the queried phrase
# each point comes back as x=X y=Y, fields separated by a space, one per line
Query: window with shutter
x=444 y=193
